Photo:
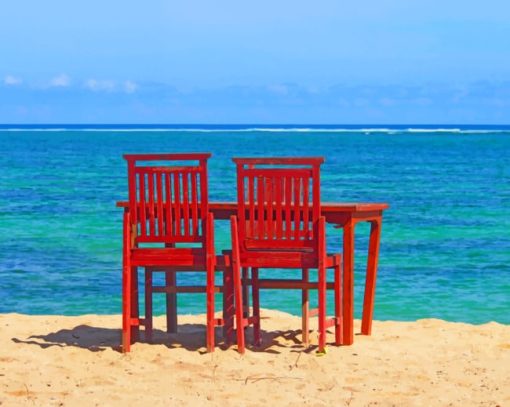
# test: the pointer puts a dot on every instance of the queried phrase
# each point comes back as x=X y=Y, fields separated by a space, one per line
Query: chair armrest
x=127 y=240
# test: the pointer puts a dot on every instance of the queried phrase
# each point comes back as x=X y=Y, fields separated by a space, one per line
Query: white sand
x=74 y=361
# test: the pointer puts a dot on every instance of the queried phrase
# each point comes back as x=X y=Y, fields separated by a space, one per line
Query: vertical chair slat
x=177 y=203
x=278 y=198
x=159 y=199
x=306 y=206
x=297 y=207
x=260 y=203
x=288 y=202
x=251 y=204
x=194 y=204
x=185 y=195
x=152 y=227
x=269 y=206
x=168 y=193
x=143 y=221
x=203 y=192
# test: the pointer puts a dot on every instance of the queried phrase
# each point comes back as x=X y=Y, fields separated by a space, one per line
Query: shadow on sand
x=189 y=336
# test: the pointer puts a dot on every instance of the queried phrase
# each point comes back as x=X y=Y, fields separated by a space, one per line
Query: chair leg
x=228 y=305
x=238 y=284
x=126 y=308
x=338 y=305
x=238 y=294
x=257 y=340
x=148 y=305
x=322 y=307
x=135 y=329
x=171 y=302
x=210 y=306
x=305 y=310
x=246 y=294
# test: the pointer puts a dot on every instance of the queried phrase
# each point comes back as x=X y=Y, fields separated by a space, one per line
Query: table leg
x=246 y=294
x=348 y=283
x=171 y=302
x=373 y=255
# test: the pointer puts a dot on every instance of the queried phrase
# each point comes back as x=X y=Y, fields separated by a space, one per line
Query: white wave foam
x=340 y=130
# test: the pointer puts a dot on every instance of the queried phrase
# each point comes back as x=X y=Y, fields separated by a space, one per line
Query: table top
x=337 y=213
x=325 y=206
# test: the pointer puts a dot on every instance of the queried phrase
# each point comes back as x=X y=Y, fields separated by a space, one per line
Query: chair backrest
x=278 y=202
x=168 y=199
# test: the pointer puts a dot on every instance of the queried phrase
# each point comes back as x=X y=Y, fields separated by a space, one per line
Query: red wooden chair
x=278 y=225
x=168 y=208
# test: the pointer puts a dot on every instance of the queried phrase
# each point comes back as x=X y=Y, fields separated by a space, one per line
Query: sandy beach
x=73 y=361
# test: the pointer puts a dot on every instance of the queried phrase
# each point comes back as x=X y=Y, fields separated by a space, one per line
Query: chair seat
x=284 y=259
x=186 y=257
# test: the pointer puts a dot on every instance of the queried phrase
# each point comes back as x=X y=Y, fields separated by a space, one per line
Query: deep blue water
x=445 y=249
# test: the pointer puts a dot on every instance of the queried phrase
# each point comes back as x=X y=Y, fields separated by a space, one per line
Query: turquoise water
x=445 y=249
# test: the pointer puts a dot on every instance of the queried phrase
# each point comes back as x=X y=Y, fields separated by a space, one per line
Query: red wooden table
x=344 y=216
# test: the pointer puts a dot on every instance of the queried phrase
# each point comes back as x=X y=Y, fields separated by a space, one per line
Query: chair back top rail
x=166 y=156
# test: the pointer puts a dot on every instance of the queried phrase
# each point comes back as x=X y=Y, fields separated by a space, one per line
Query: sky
x=225 y=61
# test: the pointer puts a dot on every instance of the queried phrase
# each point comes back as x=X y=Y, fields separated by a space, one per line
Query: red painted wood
x=185 y=202
x=305 y=308
x=260 y=209
x=338 y=304
x=194 y=204
x=274 y=191
x=171 y=302
x=126 y=284
x=257 y=339
x=348 y=284
x=297 y=207
x=321 y=240
x=135 y=329
x=168 y=204
x=269 y=187
x=177 y=203
x=148 y=305
x=166 y=157
x=236 y=276
x=279 y=160
x=288 y=203
x=152 y=223
x=159 y=200
x=371 y=276
x=337 y=213
x=306 y=208
x=143 y=211
x=251 y=202
x=279 y=205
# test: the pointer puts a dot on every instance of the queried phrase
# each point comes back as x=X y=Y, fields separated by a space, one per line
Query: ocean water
x=445 y=249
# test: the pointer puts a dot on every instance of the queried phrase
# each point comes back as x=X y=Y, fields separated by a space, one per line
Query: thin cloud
x=10 y=80
x=130 y=87
x=60 y=81
x=100 y=85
